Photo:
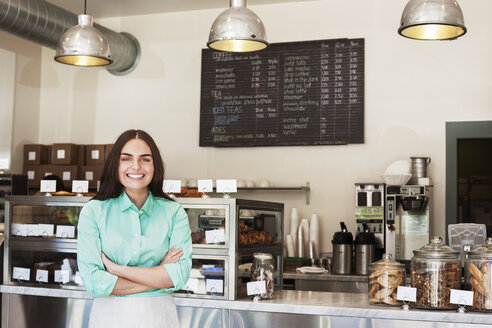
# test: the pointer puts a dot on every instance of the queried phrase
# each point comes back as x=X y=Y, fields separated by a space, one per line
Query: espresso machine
x=369 y=212
x=407 y=219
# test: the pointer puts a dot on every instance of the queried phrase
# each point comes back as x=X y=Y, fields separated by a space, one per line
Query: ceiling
x=117 y=8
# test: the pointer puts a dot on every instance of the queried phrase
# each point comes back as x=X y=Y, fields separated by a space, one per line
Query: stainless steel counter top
x=335 y=304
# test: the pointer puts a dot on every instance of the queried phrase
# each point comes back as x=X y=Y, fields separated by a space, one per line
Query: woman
x=133 y=240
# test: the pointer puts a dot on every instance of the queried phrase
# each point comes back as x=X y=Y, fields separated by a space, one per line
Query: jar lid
x=387 y=262
x=436 y=249
x=262 y=256
x=484 y=251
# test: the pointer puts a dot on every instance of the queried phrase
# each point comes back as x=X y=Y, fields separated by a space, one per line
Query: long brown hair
x=111 y=186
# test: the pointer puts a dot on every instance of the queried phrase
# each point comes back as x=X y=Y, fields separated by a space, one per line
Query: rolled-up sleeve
x=180 y=238
x=96 y=279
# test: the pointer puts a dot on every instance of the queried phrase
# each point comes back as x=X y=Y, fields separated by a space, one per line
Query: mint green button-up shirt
x=131 y=237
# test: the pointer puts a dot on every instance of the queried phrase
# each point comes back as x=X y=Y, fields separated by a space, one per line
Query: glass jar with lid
x=385 y=276
x=436 y=269
x=479 y=272
x=262 y=270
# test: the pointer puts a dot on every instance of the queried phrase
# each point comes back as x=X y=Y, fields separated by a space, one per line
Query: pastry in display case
x=231 y=231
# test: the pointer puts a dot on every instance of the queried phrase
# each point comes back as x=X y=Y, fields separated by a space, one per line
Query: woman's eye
x=125 y=159
x=146 y=160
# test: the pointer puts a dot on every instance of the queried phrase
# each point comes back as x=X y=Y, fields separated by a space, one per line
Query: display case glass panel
x=209 y=225
x=208 y=276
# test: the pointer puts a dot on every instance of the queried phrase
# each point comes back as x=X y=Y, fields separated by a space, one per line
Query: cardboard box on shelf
x=68 y=173
x=91 y=173
x=36 y=154
x=94 y=154
x=33 y=175
x=65 y=154
x=81 y=155
x=107 y=150
x=50 y=169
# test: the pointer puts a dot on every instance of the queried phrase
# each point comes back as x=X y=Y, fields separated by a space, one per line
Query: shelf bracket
x=308 y=193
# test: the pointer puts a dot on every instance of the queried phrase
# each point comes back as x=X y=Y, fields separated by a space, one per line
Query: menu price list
x=296 y=93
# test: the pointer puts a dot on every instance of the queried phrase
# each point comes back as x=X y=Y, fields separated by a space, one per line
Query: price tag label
x=256 y=287
x=172 y=186
x=79 y=186
x=32 y=155
x=62 y=276
x=95 y=154
x=66 y=175
x=215 y=236
x=205 y=185
x=461 y=297
x=32 y=230
x=65 y=231
x=19 y=229
x=21 y=273
x=89 y=175
x=46 y=230
x=215 y=286
x=41 y=275
x=227 y=186
x=30 y=175
x=191 y=285
x=60 y=153
x=408 y=294
x=48 y=186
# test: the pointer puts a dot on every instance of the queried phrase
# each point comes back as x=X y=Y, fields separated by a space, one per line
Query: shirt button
x=136 y=235
x=141 y=212
x=134 y=252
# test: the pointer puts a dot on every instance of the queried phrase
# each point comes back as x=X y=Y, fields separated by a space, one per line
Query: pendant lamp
x=237 y=29
x=83 y=45
x=432 y=20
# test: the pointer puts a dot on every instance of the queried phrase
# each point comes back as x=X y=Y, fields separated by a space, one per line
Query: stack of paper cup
x=305 y=234
x=290 y=246
x=294 y=224
x=314 y=234
x=300 y=242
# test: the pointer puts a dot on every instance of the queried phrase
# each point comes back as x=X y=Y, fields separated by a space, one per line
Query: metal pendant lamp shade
x=83 y=45
x=432 y=20
x=237 y=29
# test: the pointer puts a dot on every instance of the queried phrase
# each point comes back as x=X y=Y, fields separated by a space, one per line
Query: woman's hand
x=111 y=267
x=172 y=256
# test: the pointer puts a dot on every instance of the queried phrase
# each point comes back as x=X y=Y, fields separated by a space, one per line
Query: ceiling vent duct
x=43 y=23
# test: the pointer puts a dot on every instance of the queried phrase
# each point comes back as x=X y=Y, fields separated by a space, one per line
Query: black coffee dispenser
x=342 y=251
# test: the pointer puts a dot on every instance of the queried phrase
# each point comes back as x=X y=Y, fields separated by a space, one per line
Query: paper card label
x=47 y=173
x=42 y=275
x=408 y=294
x=21 y=273
x=66 y=175
x=65 y=231
x=205 y=185
x=227 y=186
x=172 y=186
x=19 y=229
x=78 y=278
x=48 y=186
x=256 y=287
x=461 y=297
x=215 y=286
x=46 y=230
x=32 y=230
x=80 y=186
x=89 y=175
x=215 y=236
x=95 y=154
x=191 y=285
x=60 y=153
x=62 y=276
x=31 y=155
x=30 y=175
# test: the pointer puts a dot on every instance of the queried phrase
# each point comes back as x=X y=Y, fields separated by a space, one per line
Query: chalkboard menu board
x=296 y=93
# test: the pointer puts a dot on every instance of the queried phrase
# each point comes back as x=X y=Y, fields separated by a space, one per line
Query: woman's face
x=136 y=168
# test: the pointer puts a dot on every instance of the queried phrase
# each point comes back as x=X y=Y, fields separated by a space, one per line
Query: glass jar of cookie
x=436 y=269
x=385 y=276
x=479 y=273
x=262 y=270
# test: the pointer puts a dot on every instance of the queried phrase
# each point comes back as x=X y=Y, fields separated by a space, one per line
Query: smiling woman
x=133 y=240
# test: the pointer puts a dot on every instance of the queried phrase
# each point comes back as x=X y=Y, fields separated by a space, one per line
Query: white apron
x=133 y=312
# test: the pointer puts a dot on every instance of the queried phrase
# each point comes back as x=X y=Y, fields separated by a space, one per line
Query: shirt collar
x=126 y=203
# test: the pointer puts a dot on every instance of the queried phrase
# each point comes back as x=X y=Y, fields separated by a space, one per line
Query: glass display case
x=226 y=232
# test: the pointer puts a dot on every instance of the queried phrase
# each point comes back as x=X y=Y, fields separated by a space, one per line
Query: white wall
x=412 y=89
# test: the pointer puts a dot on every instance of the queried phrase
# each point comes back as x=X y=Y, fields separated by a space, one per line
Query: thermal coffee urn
x=365 y=251
x=342 y=251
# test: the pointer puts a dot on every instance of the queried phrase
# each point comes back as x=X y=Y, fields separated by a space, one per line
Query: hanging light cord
x=85 y=7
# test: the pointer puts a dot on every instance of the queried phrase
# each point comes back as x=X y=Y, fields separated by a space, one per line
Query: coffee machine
x=369 y=210
x=407 y=219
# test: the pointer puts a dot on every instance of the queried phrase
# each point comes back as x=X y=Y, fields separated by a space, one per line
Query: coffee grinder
x=407 y=219
x=369 y=210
